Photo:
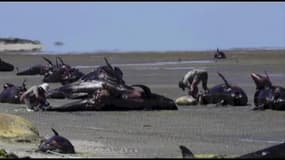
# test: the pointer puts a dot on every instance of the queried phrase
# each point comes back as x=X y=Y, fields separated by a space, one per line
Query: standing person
x=35 y=97
x=191 y=80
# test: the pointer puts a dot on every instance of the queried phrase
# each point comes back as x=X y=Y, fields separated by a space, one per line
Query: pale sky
x=145 y=26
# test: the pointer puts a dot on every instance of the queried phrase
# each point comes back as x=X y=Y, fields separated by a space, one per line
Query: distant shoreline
x=23 y=46
x=227 y=51
x=19 y=45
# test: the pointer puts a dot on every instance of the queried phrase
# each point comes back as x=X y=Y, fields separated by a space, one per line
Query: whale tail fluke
x=267 y=77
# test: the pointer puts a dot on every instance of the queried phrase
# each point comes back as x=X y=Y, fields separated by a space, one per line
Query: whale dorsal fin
x=224 y=79
x=186 y=153
x=54 y=131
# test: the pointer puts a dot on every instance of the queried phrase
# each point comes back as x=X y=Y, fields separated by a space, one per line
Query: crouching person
x=35 y=97
x=191 y=81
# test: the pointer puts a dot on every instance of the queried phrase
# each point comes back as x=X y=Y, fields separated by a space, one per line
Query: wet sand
x=150 y=134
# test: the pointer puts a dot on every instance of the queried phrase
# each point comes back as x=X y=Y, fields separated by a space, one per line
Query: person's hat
x=44 y=86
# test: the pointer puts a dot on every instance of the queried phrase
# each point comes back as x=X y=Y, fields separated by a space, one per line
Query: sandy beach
x=151 y=134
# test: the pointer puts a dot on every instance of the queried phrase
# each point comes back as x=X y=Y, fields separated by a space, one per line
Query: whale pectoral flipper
x=46 y=59
x=224 y=79
x=54 y=131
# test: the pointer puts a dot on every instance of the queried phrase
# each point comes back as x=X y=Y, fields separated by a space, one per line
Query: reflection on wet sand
x=153 y=63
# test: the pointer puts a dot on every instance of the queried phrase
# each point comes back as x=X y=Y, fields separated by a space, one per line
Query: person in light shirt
x=35 y=97
x=192 y=79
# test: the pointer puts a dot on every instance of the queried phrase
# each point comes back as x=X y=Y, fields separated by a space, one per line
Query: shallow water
x=262 y=141
x=153 y=63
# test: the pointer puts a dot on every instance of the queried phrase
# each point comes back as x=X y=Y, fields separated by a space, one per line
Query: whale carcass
x=89 y=82
x=56 y=143
x=53 y=73
x=5 y=66
x=224 y=94
x=39 y=69
x=62 y=73
x=267 y=96
x=11 y=93
x=106 y=90
x=110 y=98
x=275 y=151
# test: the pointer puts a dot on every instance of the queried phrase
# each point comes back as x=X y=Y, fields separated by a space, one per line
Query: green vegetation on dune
x=17 y=40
